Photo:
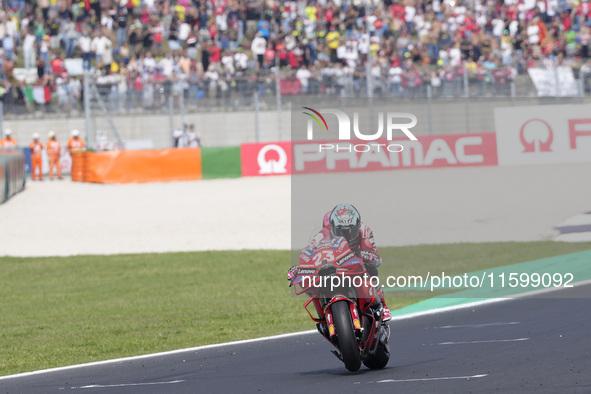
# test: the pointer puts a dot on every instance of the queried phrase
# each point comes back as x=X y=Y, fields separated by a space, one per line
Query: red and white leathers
x=364 y=247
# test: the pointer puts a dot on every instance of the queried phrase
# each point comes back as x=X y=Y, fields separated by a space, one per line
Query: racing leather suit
x=364 y=247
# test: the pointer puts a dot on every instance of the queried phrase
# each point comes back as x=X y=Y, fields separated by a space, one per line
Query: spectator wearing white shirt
x=98 y=46
x=29 y=50
x=228 y=63
x=85 y=45
x=409 y=16
x=107 y=57
x=149 y=64
x=303 y=75
x=241 y=60
x=193 y=137
x=533 y=32
x=184 y=31
x=258 y=48
x=166 y=65
x=395 y=74
x=212 y=77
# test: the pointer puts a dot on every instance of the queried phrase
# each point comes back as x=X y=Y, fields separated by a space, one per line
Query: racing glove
x=292 y=273
x=371 y=269
x=370 y=258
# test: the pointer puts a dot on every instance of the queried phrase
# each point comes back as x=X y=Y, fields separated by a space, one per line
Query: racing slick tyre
x=346 y=335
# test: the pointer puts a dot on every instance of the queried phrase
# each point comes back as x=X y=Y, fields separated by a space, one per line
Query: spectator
x=194 y=139
x=70 y=36
x=8 y=46
x=85 y=44
x=29 y=50
x=258 y=48
x=303 y=75
x=212 y=78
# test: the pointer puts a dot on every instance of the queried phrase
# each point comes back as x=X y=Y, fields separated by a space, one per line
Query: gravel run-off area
x=59 y=218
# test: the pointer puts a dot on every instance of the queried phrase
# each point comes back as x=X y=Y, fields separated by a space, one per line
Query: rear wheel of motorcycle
x=346 y=335
x=379 y=359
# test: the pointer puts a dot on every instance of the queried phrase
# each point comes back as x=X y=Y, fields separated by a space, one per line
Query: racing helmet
x=345 y=221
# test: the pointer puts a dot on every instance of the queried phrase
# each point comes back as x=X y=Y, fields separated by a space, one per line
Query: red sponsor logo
x=272 y=158
x=544 y=143
x=461 y=150
x=574 y=134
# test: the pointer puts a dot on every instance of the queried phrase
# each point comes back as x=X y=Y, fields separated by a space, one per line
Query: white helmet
x=7 y=132
x=51 y=134
x=75 y=133
x=35 y=136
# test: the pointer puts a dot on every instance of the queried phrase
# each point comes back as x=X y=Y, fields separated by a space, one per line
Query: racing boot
x=386 y=314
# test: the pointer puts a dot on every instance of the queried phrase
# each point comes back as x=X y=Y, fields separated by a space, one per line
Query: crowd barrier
x=141 y=166
x=12 y=173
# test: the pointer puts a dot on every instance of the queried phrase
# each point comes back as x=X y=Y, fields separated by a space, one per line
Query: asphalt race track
x=519 y=345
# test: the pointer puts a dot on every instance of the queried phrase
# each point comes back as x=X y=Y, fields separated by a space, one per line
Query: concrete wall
x=447 y=116
x=216 y=128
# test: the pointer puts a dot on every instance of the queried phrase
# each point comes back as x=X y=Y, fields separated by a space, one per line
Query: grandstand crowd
x=144 y=51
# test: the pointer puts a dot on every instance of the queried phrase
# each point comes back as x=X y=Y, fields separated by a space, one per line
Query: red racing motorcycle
x=344 y=304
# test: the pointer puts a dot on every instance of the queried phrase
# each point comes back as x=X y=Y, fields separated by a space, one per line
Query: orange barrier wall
x=141 y=166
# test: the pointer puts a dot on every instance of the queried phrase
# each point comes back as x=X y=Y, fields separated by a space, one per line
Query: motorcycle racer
x=345 y=221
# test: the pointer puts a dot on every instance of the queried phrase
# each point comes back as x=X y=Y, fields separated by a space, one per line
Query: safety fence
x=12 y=173
x=116 y=113
x=165 y=165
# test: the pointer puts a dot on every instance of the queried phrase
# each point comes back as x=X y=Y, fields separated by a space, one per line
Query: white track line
x=486 y=341
x=481 y=325
x=428 y=379
x=294 y=334
x=102 y=386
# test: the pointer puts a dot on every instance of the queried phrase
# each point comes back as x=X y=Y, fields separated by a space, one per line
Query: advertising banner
x=142 y=166
x=554 y=81
x=458 y=150
x=543 y=134
x=261 y=159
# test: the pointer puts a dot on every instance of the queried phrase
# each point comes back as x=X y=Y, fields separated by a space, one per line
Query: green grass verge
x=62 y=311
x=221 y=162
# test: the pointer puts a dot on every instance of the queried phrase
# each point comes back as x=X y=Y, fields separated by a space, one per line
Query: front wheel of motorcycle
x=346 y=335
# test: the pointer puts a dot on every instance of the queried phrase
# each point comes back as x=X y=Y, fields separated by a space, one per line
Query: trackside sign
x=272 y=158
x=543 y=134
x=426 y=152
x=460 y=150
